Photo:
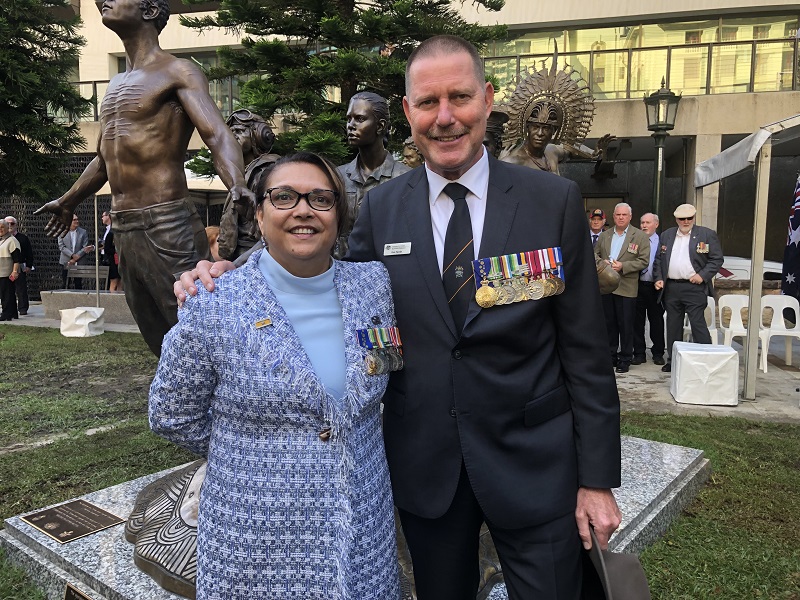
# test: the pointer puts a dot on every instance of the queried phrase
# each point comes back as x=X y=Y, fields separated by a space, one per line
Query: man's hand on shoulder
x=597 y=508
x=60 y=222
x=205 y=271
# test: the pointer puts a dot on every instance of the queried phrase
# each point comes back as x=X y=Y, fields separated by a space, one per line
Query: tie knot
x=456 y=191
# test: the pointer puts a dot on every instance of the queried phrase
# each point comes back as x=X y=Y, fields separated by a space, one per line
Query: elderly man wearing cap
x=686 y=263
x=597 y=221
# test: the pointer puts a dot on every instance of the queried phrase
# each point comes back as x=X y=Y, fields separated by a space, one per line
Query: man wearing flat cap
x=686 y=263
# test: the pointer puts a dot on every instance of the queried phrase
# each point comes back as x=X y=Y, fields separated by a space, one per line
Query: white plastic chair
x=778 y=325
x=711 y=321
x=735 y=328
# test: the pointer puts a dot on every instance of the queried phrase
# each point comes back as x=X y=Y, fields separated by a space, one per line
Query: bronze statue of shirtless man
x=146 y=119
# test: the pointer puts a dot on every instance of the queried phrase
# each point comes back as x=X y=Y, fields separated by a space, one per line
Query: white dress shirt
x=476 y=180
x=680 y=265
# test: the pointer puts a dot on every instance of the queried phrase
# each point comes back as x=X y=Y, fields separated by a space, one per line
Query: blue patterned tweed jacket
x=283 y=514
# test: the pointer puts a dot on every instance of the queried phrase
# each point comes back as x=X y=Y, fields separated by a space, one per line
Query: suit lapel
x=417 y=211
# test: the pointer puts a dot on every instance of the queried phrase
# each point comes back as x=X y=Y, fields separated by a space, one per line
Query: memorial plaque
x=70 y=593
x=73 y=520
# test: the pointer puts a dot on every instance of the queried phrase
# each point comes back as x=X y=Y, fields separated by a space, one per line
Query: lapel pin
x=263 y=323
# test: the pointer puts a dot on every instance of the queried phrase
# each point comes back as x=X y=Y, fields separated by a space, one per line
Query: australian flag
x=791 y=255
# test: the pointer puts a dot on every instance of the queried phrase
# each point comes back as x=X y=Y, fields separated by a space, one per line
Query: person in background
x=25 y=267
x=212 y=231
x=266 y=377
x=108 y=255
x=627 y=250
x=597 y=222
x=10 y=260
x=688 y=259
x=647 y=304
x=74 y=249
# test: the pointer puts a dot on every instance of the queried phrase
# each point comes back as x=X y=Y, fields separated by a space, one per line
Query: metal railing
x=693 y=69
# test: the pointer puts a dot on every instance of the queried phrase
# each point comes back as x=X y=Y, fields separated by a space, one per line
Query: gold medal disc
x=518 y=285
x=549 y=287
x=535 y=289
x=502 y=296
x=560 y=286
x=485 y=296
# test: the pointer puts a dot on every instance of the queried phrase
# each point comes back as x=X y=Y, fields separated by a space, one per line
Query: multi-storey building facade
x=734 y=62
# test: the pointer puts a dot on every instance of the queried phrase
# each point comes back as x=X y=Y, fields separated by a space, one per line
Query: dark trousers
x=21 y=287
x=543 y=561
x=620 y=313
x=155 y=245
x=8 y=299
x=682 y=297
x=647 y=306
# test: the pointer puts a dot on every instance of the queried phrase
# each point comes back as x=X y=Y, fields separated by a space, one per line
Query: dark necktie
x=457 y=273
x=594 y=239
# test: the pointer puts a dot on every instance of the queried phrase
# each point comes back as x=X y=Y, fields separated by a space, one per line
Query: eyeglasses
x=285 y=198
x=685 y=218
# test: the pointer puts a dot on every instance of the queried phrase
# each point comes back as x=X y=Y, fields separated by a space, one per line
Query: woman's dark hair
x=324 y=165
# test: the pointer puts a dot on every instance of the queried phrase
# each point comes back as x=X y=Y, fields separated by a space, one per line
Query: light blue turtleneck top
x=314 y=310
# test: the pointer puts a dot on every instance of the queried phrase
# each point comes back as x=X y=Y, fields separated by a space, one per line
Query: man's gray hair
x=446 y=44
x=654 y=216
x=625 y=205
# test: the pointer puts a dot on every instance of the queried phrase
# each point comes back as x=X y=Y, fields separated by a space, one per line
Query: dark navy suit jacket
x=525 y=396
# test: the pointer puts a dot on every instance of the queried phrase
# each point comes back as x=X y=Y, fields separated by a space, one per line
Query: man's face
x=596 y=224
x=685 y=225
x=411 y=157
x=74 y=225
x=648 y=225
x=106 y=219
x=622 y=216
x=12 y=225
x=243 y=135
x=363 y=128
x=539 y=135
x=118 y=14
x=447 y=108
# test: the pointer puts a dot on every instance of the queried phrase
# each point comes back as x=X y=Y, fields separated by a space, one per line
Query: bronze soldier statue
x=367 y=130
x=146 y=120
x=238 y=232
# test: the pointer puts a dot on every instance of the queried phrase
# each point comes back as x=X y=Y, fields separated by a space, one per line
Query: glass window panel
x=609 y=75
x=689 y=70
x=504 y=70
x=762 y=27
x=773 y=66
x=730 y=68
x=538 y=42
x=678 y=34
x=647 y=69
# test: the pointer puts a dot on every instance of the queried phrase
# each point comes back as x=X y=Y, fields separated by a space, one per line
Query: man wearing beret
x=686 y=263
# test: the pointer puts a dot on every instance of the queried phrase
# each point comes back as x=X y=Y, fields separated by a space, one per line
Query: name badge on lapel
x=397 y=249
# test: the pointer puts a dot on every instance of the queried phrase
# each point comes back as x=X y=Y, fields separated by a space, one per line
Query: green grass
x=737 y=540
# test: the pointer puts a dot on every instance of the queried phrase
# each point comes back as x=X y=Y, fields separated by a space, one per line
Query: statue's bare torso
x=145 y=132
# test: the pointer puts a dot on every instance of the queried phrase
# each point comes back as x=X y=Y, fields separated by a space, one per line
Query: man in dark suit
x=689 y=258
x=73 y=248
x=21 y=284
x=647 y=305
x=508 y=414
x=627 y=250
x=512 y=417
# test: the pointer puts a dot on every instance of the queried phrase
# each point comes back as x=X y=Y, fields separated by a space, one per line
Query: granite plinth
x=658 y=480
x=117 y=310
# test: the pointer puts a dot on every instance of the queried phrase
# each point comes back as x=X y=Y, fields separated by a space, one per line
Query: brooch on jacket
x=633 y=248
x=518 y=277
x=663 y=249
x=384 y=349
x=702 y=248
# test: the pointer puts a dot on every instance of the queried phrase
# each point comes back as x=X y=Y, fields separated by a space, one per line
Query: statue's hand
x=601 y=149
x=61 y=220
x=245 y=201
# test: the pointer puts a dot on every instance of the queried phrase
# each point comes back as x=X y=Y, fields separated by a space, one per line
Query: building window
x=693 y=37
x=761 y=32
